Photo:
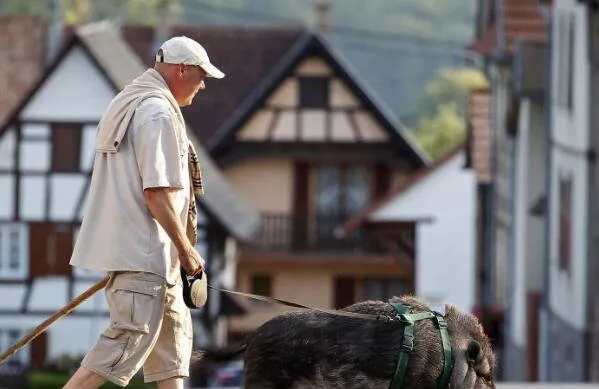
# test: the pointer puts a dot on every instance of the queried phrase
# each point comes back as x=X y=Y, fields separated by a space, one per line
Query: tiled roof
x=245 y=54
x=106 y=44
x=518 y=19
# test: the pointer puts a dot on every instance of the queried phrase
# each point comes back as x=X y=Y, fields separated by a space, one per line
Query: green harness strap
x=408 y=344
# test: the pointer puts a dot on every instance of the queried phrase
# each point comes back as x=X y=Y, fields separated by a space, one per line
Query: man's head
x=184 y=64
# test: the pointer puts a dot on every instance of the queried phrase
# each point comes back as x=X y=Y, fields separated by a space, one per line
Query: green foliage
x=441 y=133
x=405 y=43
x=41 y=8
x=442 y=109
x=83 y=11
x=52 y=380
x=449 y=85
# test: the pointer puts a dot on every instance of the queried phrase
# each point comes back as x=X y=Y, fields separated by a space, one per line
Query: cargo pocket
x=110 y=349
x=134 y=303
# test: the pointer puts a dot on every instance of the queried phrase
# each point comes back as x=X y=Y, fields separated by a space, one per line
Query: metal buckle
x=441 y=322
x=408 y=343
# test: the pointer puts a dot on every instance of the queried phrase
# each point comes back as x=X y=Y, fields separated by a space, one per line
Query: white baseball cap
x=183 y=50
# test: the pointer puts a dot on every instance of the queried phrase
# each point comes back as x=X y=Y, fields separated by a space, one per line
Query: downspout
x=495 y=76
x=544 y=341
x=498 y=81
x=592 y=194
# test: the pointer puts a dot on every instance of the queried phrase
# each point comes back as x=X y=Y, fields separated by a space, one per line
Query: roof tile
x=521 y=19
x=244 y=54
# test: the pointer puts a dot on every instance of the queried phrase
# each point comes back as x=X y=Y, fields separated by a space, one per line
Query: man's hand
x=191 y=261
x=161 y=207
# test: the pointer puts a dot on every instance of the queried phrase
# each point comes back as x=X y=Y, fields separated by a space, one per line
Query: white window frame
x=6 y=341
x=6 y=241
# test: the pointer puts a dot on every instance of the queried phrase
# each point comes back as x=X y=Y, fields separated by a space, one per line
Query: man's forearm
x=162 y=209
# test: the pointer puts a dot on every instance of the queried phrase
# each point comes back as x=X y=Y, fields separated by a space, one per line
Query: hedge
x=51 y=380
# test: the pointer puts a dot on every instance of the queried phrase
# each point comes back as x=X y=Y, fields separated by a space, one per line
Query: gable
x=76 y=90
x=43 y=175
x=444 y=187
x=313 y=104
x=313 y=58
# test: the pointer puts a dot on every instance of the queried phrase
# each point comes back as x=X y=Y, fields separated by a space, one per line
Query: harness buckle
x=441 y=321
x=408 y=343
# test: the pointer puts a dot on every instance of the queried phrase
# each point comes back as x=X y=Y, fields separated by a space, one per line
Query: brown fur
x=310 y=349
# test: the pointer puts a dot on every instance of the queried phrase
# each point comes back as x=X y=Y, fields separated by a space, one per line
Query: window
x=314 y=92
x=13 y=253
x=8 y=337
x=565 y=63
x=66 y=147
x=262 y=285
x=342 y=190
x=14 y=244
x=565 y=223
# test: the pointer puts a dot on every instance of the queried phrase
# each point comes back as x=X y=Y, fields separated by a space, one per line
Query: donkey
x=313 y=349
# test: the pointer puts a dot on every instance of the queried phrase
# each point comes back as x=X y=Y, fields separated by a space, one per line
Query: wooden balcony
x=295 y=234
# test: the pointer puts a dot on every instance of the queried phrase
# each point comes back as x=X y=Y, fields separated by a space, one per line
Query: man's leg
x=168 y=361
x=171 y=383
x=136 y=305
x=86 y=379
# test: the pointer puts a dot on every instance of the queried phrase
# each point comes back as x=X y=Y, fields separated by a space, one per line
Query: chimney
x=322 y=10
x=22 y=58
x=55 y=31
x=162 y=25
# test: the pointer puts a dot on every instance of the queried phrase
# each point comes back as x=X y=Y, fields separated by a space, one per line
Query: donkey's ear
x=450 y=309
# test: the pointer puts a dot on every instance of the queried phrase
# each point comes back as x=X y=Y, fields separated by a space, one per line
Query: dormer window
x=314 y=92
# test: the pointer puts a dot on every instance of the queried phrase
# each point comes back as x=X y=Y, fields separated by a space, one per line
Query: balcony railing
x=294 y=233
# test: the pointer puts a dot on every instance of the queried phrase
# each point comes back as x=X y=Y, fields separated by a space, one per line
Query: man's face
x=190 y=80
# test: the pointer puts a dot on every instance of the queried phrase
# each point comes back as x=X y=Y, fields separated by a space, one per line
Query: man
x=139 y=200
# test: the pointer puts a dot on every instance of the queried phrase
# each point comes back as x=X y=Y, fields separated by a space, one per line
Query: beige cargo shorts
x=150 y=327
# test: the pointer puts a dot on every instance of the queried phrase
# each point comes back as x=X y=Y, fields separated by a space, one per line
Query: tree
x=449 y=85
x=441 y=133
x=83 y=11
x=441 y=113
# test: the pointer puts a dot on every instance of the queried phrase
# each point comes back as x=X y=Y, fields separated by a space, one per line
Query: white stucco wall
x=569 y=131
x=73 y=92
x=72 y=335
x=518 y=270
x=76 y=92
x=526 y=272
x=445 y=247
